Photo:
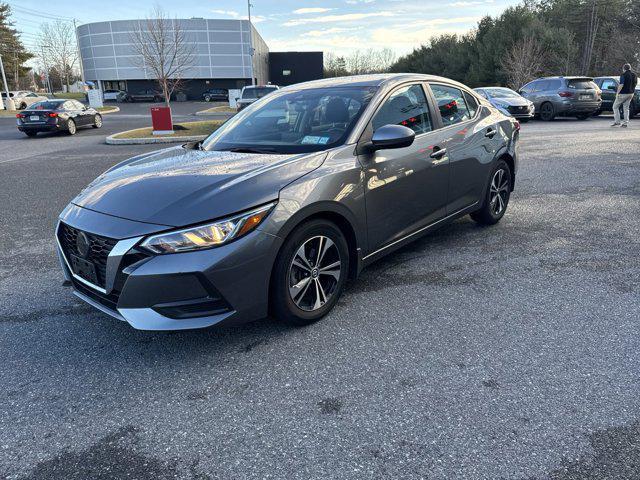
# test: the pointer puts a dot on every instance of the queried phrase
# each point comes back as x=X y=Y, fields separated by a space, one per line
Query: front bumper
x=223 y=285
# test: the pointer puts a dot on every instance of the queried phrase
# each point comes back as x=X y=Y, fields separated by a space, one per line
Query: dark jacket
x=628 y=80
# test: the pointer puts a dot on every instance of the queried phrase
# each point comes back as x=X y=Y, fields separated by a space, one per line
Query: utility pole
x=10 y=105
x=251 y=49
x=46 y=69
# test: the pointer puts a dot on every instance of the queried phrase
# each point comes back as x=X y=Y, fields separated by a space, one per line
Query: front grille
x=99 y=249
x=110 y=301
x=513 y=109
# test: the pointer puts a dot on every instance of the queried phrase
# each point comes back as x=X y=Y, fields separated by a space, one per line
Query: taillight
x=53 y=115
x=20 y=115
x=516 y=125
x=565 y=94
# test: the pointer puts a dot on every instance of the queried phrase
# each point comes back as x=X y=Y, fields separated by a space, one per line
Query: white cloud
x=303 y=11
x=347 y=17
x=326 y=31
x=471 y=3
x=229 y=13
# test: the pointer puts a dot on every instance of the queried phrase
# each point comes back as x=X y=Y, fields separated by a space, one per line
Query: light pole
x=251 y=50
x=10 y=105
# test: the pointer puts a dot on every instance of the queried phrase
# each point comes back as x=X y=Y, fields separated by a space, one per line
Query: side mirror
x=392 y=136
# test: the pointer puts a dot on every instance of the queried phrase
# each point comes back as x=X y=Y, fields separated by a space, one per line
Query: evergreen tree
x=12 y=50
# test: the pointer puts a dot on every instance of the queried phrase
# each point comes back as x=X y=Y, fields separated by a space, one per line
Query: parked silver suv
x=554 y=97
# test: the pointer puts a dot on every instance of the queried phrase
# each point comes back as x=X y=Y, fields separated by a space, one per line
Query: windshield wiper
x=249 y=150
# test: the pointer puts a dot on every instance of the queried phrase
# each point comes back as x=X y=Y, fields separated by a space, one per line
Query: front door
x=405 y=188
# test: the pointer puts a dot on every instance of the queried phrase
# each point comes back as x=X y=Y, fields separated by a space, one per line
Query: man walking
x=626 y=89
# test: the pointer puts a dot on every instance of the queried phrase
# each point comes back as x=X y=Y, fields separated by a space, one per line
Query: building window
x=286 y=73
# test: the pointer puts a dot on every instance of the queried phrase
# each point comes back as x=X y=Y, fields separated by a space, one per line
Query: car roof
x=574 y=77
x=373 y=80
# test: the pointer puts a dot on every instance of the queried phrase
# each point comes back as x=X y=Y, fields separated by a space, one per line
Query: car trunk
x=37 y=117
x=583 y=89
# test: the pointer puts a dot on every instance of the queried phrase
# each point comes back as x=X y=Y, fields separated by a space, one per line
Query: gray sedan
x=509 y=102
x=287 y=200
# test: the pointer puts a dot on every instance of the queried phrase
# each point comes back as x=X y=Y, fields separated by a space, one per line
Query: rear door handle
x=438 y=152
x=490 y=132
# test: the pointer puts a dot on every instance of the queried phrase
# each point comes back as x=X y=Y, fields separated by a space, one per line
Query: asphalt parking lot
x=508 y=352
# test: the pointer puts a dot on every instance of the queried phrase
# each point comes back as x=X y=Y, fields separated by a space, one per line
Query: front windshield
x=256 y=92
x=298 y=121
x=500 y=92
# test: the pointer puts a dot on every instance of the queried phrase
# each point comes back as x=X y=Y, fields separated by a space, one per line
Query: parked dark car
x=509 y=102
x=609 y=87
x=216 y=95
x=252 y=93
x=57 y=115
x=144 y=96
x=563 y=97
x=276 y=209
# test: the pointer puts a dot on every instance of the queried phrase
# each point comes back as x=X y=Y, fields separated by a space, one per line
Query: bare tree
x=523 y=62
x=163 y=49
x=57 y=43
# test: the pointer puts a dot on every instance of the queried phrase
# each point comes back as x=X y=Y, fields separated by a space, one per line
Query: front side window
x=609 y=85
x=451 y=104
x=406 y=106
x=298 y=121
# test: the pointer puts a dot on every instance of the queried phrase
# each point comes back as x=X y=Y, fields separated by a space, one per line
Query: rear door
x=406 y=188
x=609 y=87
x=471 y=137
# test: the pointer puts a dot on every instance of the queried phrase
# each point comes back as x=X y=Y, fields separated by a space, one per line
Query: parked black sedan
x=57 y=115
x=144 y=96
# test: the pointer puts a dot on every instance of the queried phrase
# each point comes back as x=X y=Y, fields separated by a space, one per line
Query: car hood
x=178 y=186
x=510 y=101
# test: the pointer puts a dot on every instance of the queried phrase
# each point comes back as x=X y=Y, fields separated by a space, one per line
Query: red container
x=161 y=120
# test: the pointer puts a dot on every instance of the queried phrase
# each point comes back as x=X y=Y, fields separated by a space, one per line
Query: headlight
x=208 y=235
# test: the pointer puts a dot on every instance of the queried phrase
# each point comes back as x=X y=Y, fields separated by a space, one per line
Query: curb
x=111 y=110
x=211 y=111
x=151 y=140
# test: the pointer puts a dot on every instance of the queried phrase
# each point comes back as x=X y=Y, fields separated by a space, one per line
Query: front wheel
x=583 y=116
x=207 y=98
x=547 y=112
x=97 y=121
x=497 y=197
x=71 y=127
x=309 y=273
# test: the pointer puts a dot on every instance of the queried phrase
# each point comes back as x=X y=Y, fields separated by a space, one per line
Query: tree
x=334 y=66
x=163 y=49
x=12 y=50
x=57 y=44
x=523 y=62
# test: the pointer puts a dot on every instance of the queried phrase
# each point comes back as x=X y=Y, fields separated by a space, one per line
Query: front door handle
x=490 y=132
x=438 y=152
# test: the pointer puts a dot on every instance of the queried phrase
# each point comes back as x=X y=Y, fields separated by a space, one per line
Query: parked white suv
x=252 y=93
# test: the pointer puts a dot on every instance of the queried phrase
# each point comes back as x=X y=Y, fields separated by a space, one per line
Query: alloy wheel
x=71 y=126
x=314 y=273
x=499 y=192
x=98 y=121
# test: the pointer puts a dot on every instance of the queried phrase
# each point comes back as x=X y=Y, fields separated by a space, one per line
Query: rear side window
x=451 y=104
x=581 y=83
x=406 y=106
x=45 y=106
x=609 y=84
x=472 y=104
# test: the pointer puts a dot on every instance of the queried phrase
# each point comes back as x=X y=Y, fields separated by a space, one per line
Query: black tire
x=31 y=134
x=156 y=99
x=583 y=116
x=547 y=112
x=97 y=121
x=22 y=106
x=72 y=129
x=488 y=214
x=523 y=120
x=597 y=113
x=306 y=308
x=207 y=98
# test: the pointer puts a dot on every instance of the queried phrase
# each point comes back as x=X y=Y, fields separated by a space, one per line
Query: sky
x=338 y=26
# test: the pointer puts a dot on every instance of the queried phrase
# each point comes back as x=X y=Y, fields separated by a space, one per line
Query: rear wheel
x=497 y=197
x=597 y=113
x=22 y=106
x=71 y=127
x=207 y=98
x=547 y=112
x=97 y=121
x=309 y=273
